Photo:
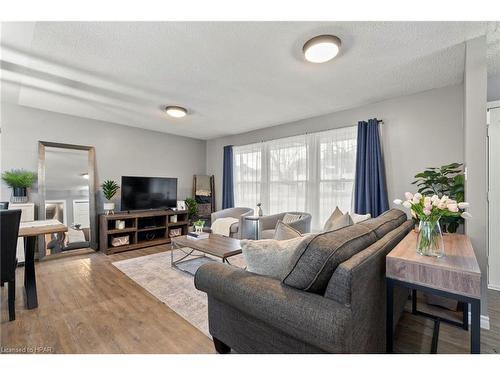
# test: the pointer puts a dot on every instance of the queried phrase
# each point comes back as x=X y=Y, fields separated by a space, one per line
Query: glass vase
x=430 y=239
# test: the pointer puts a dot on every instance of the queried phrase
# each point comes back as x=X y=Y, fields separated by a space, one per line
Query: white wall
x=493 y=88
x=120 y=150
x=476 y=154
x=419 y=131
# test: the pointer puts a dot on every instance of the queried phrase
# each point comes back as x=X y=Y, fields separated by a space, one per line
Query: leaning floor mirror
x=66 y=185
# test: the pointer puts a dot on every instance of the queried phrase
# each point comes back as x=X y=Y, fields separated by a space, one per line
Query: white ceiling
x=232 y=76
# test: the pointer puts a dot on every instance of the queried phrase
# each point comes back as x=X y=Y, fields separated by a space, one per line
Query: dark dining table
x=30 y=231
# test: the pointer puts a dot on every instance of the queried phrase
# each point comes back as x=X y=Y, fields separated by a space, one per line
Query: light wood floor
x=86 y=305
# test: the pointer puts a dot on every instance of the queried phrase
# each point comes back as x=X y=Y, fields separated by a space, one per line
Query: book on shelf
x=197 y=235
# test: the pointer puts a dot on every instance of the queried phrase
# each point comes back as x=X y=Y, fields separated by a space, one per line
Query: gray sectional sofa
x=331 y=301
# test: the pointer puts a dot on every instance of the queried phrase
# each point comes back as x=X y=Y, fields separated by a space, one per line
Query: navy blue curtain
x=227 y=178
x=370 y=189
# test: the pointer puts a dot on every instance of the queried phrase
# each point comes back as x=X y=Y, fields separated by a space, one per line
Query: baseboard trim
x=485 y=321
x=494 y=287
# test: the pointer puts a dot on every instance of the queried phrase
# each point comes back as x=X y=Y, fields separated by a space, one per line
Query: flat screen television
x=146 y=193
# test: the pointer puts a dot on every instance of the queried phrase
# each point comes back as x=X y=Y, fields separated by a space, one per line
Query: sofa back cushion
x=384 y=223
x=312 y=267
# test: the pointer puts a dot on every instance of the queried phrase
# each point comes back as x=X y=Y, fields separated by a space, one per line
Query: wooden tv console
x=143 y=228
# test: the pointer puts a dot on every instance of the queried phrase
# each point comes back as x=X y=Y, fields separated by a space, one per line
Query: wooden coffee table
x=215 y=245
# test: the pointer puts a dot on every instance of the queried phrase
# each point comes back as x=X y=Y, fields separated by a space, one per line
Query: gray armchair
x=268 y=223
x=236 y=212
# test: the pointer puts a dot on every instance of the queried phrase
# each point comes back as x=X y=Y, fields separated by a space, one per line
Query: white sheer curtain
x=247 y=165
x=311 y=173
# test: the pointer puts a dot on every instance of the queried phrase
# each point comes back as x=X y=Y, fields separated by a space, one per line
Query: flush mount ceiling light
x=175 y=111
x=321 y=48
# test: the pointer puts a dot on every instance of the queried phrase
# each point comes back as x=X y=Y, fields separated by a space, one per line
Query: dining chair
x=9 y=223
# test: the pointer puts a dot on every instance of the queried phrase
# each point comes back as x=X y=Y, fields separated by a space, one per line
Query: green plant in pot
x=192 y=207
x=20 y=181
x=109 y=190
x=198 y=225
x=447 y=180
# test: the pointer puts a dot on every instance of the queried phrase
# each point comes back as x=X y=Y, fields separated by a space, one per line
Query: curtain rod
x=306 y=133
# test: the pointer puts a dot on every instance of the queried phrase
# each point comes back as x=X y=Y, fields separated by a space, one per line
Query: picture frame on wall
x=181 y=205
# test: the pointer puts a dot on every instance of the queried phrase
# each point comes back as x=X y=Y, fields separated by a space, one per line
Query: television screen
x=145 y=193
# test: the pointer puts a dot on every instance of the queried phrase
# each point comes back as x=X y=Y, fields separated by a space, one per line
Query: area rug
x=171 y=286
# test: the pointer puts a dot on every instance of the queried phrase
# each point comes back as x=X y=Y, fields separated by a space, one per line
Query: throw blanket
x=223 y=225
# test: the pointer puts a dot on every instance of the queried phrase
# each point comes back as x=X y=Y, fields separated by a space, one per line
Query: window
x=337 y=166
x=287 y=174
x=312 y=173
x=247 y=175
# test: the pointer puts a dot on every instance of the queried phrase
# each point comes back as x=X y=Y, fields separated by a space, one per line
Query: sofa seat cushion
x=313 y=267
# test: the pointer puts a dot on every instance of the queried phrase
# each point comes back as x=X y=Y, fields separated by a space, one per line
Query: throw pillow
x=341 y=222
x=335 y=215
x=271 y=257
x=357 y=218
x=285 y=232
x=290 y=218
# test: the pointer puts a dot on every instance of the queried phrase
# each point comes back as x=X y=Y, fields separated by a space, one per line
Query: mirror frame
x=92 y=187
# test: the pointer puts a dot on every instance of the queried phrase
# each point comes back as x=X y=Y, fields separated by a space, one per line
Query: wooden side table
x=456 y=276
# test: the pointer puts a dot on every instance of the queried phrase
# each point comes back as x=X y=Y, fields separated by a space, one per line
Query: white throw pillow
x=357 y=218
x=290 y=218
x=271 y=257
x=339 y=223
x=285 y=232
x=336 y=214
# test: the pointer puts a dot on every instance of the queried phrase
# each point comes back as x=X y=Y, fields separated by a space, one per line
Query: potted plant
x=19 y=180
x=198 y=225
x=447 y=180
x=192 y=207
x=109 y=189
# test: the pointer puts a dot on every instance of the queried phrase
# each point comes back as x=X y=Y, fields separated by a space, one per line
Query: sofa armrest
x=309 y=317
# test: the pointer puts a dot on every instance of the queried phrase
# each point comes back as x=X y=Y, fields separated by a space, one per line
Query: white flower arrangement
x=427 y=208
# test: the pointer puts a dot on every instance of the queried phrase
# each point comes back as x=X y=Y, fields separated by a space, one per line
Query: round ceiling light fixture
x=175 y=111
x=321 y=48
